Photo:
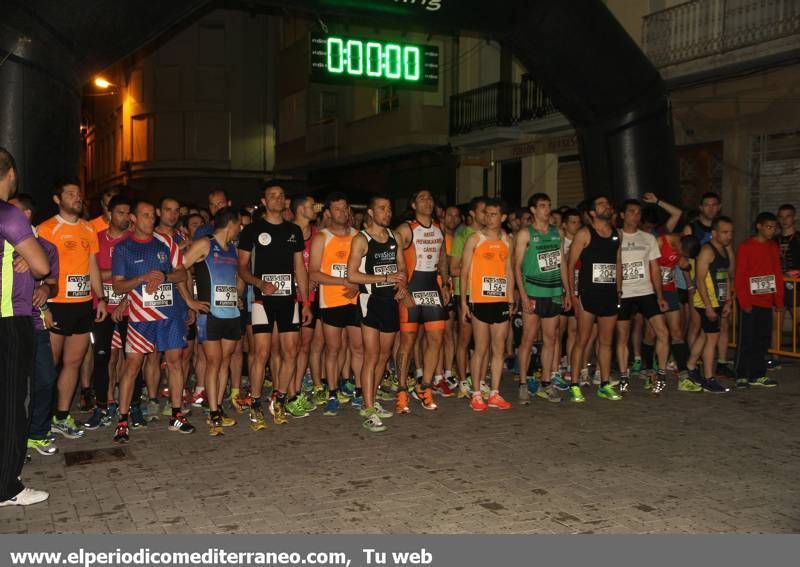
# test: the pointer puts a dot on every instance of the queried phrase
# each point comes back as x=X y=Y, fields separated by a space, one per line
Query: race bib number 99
x=604 y=273
x=427 y=298
x=386 y=269
x=763 y=285
x=493 y=287
x=549 y=261
x=226 y=296
x=633 y=271
x=162 y=297
x=113 y=298
x=282 y=283
x=78 y=286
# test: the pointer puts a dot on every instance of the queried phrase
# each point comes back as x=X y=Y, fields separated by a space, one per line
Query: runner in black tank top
x=597 y=279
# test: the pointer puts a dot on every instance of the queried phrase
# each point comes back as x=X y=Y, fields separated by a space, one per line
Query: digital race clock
x=344 y=59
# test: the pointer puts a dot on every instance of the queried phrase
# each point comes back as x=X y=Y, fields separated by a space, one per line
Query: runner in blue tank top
x=218 y=326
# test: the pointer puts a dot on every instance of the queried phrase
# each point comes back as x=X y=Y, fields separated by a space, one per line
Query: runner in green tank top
x=541 y=266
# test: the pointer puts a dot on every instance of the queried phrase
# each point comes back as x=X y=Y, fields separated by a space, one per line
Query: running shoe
x=342 y=397
x=452 y=383
x=384 y=395
x=763 y=382
x=319 y=396
x=43 y=446
x=533 y=385
x=308 y=383
x=636 y=367
x=137 y=417
x=267 y=384
x=476 y=403
x=121 y=433
x=559 y=382
x=742 y=383
x=66 y=427
x=279 y=414
x=331 y=407
x=357 y=402
x=395 y=382
x=99 y=419
x=179 y=424
x=485 y=391
x=713 y=387
x=373 y=423
x=686 y=384
x=583 y=378
x=443 y=389
x=199 y=399
x=295 y=408
x=348 y=388
x=401 y=402
x=306 y=402
x=576 y=395
x=596 y=380
x=226 y=421
x=624 y=384
x=166 y=411
x=464 y=390
x=88 y=401
x=773 y=363
x=524 y=397
x=549 y=393
x=238 y=403
x=112 y=408
x=608 y=392
x=496 y=401
x=425 y=397
x=659 y=385
x=694 y=376
x=215 y=426
x=381 y=411
x=724 y=370
x=257 y=421
x=151 y=410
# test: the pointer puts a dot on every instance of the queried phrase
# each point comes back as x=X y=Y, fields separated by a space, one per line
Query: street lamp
x=102 y=83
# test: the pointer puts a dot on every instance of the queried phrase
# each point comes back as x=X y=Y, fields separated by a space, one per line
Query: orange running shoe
x=425 y=397
x=401 y=402
x=477 y=403
x=497 y=401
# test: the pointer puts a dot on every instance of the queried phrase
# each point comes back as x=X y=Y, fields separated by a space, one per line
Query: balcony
x=712 y=37
x=502 y=112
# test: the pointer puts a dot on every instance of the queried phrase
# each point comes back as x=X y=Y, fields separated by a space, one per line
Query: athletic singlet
x=216 y=280
x=701 y=231
x=104 y=256
x=717 y=282
x=334 y=263
x=599 y=265
x=488 y=278
x=541 y=265
x=307 y=258
x=422 y=263
x=75 y=242
x=380 y=259
x=668 y=263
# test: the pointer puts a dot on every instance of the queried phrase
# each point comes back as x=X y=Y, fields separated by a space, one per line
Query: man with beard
x=73 y=316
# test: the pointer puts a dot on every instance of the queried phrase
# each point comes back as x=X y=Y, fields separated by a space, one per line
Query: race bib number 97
x=282 y=283
x=633 y=271
x=427 y=298
x=493 y=287
x=162 y=297
x=78 y=286
x=226 y=296
x=549 y=261
x=763 y=285
x=604 y=273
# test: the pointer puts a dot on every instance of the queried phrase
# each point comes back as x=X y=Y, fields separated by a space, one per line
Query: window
x=387 y=99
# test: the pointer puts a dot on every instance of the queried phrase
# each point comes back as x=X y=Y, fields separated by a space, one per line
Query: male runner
x=487 y=274
x=218 y=325
x=597 y=247
x=378 y=267
x=271 y=260
x=422 y=242
x=77 y=245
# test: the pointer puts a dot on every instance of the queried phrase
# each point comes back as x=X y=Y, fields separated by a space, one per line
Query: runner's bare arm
x=196 y=252
x=354 y=274
x=581 y=241
x=302 y=277
x=521 y=242
x=315 y=263
x=33 y=253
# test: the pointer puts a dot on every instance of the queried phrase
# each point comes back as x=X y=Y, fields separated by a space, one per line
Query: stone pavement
x=681 y=463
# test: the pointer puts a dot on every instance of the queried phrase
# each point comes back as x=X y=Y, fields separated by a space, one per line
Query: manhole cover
x=109 y=455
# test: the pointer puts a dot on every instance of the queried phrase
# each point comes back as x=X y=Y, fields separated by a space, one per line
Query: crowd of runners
x=162 y=311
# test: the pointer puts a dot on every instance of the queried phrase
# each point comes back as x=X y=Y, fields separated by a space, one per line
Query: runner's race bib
x=162 y=297
x=339 y=270
x=384 y=270
x=282 y=283
x=549 y=261
x=494 y=287
x=604 y=273
x=226 y=296
x=763 y=285
x=113 y=298
x=427 y=298
x=78 y=286
x=722 y=286
x=667 y=275
x=633 y=271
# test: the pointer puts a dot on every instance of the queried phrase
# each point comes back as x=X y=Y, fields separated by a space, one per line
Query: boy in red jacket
x=759 y=291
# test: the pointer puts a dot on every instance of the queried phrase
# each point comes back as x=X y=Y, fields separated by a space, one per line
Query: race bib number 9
x=763 y=285
x=549 y=261
x=667 y=275
x=633 y=271
x=78 y=286
x=113 y=298
x=604 y=273
x=386 y=269
x=493 y=287
x=162 y=297
x=282 y=283
x=226 y=296
x=339 y=270
x=427 y=298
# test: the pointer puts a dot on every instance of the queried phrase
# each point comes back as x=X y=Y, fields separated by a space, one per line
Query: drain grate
x=107 y=455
